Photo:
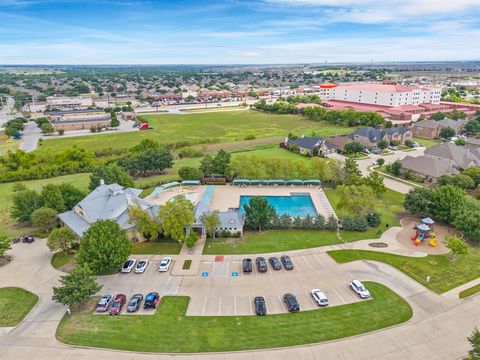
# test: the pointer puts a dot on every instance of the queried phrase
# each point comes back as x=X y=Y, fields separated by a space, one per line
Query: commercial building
x=78 y=119
x=65 y=103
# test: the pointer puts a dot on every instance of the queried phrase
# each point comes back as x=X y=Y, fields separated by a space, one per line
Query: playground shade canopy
x=160 y=188
x=423 y=227
x=191 y=182
x=428 y=221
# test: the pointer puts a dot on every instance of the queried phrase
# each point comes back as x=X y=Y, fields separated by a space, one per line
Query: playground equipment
x=423 y=231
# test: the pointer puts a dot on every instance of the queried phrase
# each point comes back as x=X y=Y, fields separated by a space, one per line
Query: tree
x=258 y=213
x=380 y=161
x=456 y=245
x=114 y=120
x=146 y=144
x=409 y=143
x=474 y=173
x=5 y=243
x=191 y=239
x=212 y=221
x=146 y=224
x=375 y=182
x=460 y=142
x=24 y=204
x=71 y=195
x=47 y=128
x=147 y=162
x=52 y=197
x=373 y=219
x=206 y=165
x=356 y=199
x=447 y=200
x=220 y=162
x=419 y=201
x=61 y=239
x=467 y=219
x=190 y=173
x=352 y=172
x=45 y=218
x=354 y=147
x=76 y=287
x=474 y=340
x=104 y=246
x=382 y=144
x=111 y=174
x=176 y=215
x=463 y=181
x=447 y=133
x=396 y=168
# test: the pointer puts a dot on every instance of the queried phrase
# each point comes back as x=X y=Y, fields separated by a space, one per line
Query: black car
x=134 y=303
x=291 y=302
x=27 y=239
x=247 y=265
x=261 y=264
x=260 y=306
x=287 y=262
x=151 y=300
x=275 y=263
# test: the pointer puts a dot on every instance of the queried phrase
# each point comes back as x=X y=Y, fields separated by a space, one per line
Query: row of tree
x=346 y=117
x=15 y=127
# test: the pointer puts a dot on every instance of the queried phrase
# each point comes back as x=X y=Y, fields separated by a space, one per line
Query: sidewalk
x=194 y=254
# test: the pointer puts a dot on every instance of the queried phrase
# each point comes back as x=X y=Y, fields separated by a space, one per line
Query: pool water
x=293 y=205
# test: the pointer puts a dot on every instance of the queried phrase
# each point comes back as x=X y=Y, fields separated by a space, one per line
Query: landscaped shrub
x=373 y=219
x=354 y=224
x=190 y=152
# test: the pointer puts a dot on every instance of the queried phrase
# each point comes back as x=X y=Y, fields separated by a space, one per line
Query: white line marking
x=309 y=295
x=305 y=258
x=204 y=304
x=266 y=307
x=250 y=305
x=235 y=303
x=319 y=261
x=219 y=305
x=281 y=302
x=336 y=292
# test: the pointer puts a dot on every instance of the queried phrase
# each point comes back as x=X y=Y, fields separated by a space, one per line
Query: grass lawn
x=213 y=109
x=231 y=333
x=9 y=225
x=271 y=241
x=12 y=311
x=426 y=142
x=156 y=248
x=444 y=274
x=59 y=260
x=222 y=126
x=389 y=205
x=470 y=291
x=7 y=144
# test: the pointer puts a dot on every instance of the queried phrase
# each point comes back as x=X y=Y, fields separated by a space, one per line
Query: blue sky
x=237 y=32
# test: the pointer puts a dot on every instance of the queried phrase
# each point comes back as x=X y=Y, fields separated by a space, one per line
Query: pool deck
x=227 y=196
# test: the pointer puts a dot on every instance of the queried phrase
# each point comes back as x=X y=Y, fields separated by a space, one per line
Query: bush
x=61 y=131
x=373 y=219
x=354 y=224
x=250 y=137
x=190 y=173
x=409 y=143
x=45 y=218
x=190 y=152
x=191 y=239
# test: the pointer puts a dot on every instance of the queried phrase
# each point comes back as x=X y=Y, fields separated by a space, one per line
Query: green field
x=220 y=126
x=213 y=109
x=444 y=274
x=15 y=304
x=169 y=330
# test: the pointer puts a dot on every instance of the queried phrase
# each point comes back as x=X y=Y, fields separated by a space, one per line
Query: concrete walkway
x=438 y=329
x=194 y=254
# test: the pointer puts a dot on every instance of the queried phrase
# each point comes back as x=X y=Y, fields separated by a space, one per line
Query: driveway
x=438 y=329
x=30 y=137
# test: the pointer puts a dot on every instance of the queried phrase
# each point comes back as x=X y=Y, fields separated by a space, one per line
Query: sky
x=237 y=32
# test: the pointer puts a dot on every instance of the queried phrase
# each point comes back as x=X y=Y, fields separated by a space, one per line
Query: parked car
x=247 y=265
x=134 y=303
x=291 y=302
x=415 y=144
x=391 y=147
x=287 y=262
x=141 y=266
x=104 y=303
x=361 y=290
x=261 y=264
x=128 y=265
x=319 y=297
x=27 y=239
x=117 y=304
x=376 y=150
x=165 y=264
x=260 y=306
x=151 y=300
x=275 y=263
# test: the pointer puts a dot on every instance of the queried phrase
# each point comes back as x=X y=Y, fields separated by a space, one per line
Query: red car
x=117 y=304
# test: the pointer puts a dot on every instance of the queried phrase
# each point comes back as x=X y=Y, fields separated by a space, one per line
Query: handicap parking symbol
x=234 y=273
x=205 y=274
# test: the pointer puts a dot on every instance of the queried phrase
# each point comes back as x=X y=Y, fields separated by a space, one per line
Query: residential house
x=338 y=142
x=429 y=168
x=312 y=146
x=472 y=143
x=107 y=202
x=460 y=156
x=431 y=129
x=370 y=136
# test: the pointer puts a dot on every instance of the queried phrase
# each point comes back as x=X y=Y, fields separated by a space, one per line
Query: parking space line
x=309 y=295
x=319 y=261
x=250 y=305
x=219 y=305
x=204 y=304
x=341 y=298
x=281 y=302
x=266 y=307
x=305 y=258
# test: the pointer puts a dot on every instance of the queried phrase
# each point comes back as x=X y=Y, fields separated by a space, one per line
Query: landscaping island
x=169 y=330
x=15 y=304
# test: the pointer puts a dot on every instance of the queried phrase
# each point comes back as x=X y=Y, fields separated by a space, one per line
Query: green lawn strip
x=15 y=304
x=222 y=126
x=186 y=264
x=426 y=142
x=169 y=330
x=444 y=274
x=156 y=248
x=270 y=241
x=469 y=292
x=60 y=259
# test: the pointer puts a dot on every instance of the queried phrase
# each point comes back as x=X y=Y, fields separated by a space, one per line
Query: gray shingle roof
x=305 y=142
x=428 y=166
x=461 y=156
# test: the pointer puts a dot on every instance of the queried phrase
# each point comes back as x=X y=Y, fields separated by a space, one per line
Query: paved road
x=438 y=329
x=30 y=137
x=6 y=110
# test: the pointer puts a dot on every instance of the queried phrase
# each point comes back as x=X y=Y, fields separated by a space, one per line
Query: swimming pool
x=293 y=205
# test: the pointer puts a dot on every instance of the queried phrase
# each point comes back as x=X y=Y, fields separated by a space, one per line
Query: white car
x=319 y=297
x=128 y=265
x=165 y=264
x=361 y=290
x=141 y=266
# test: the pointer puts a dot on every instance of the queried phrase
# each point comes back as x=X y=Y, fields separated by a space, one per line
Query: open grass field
x=221 y=126
x=213 y=109
x=444 y=274
x=12 y=311
x=6 y=191
x=169 y=330
x=270 y=241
